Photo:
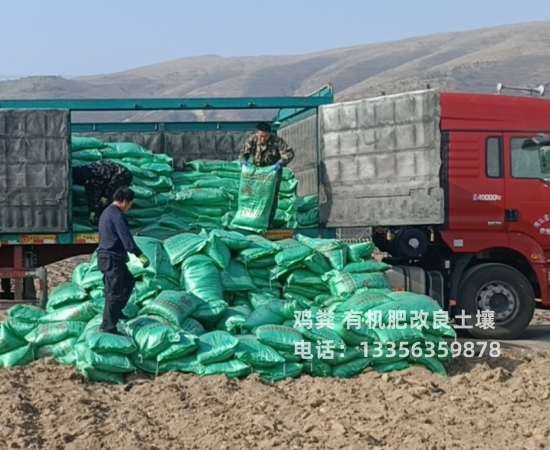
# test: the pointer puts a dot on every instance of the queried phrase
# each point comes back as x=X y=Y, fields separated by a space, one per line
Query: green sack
x=335 y=251
x=216 y=249
x=158 y=168
x=208 y=313
x=351 y=368
x=25 y=313
x=343 y=356
x=274 y=313
x=261 y=297
x=368 y=266
x=291 y=252
x=18 y=357
x=266 y=262
x=187 y=344
x=306 y=203
x=142 y=191
x=432 y=364
x=8 y=339
x=233 y=369
x=410 y=306
x=52 y=333
x=316 y=368
x=258 y=248
x=350 y=333
x=234 y=318
x=80 y=312
x=124 y=150
x=158 y=183
x=306 y=278
x=304 y=291
x=233 y=239
x=254 y=353
x=226 y=175
x=231 y=186
x=341 y=283
x=18 y=327
x=105 y=362
x=408 y=334
x=364 y=300
x=358 y=252
x=143 y=291
x=216 y=346
x=160 y=200
x=202 y=196
x=188 y=178
x=182 y=246
x=100 y=342
x=151 y=336
x=86 y=156
x=92 y=279
x=266 y=283
x=317 y=263
x=79 y=273
x=99 y=376
x=58 y=350
x=174 y=306
x=281 y=372
x=147 y=365
x=174 y=223
x=192 y=326
x=236 y=278
x=321 y=334
x=65 y=294
x=188 y=364
x=308 y=219
x=201 y=278
x=278 y=336
x=85 y=143
x=256 y=195
x=210 y=165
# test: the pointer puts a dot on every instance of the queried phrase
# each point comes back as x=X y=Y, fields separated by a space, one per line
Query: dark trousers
x=119 y=284
x=275 y=198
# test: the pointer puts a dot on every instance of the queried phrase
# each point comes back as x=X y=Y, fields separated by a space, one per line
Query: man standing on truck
x=100 y=180
x=267 y=149
x=115 y=242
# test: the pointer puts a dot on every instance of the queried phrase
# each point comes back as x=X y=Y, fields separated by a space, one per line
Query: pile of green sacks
x=208 y=196
x=220 y=302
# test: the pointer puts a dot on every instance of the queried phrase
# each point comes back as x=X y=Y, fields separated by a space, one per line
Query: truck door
x=476 y=181
x=527 y=188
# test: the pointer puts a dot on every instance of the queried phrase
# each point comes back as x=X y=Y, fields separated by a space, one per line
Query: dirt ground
x=484 y=403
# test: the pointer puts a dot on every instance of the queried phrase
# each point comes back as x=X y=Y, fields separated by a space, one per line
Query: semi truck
x=454 y=186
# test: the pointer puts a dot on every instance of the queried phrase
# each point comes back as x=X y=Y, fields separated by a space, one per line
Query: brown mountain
x=472 y=61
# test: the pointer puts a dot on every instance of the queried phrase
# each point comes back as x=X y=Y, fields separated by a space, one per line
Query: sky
x=89 y=37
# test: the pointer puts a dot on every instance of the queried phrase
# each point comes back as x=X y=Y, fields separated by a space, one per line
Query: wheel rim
x=499 y=297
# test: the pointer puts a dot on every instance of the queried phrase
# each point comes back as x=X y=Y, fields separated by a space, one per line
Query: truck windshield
x=531 y=162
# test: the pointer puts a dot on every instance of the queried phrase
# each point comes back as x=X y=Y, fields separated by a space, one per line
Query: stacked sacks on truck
x=220 y=302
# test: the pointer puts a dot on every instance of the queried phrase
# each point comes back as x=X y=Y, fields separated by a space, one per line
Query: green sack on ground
x=85 y=143
x=9 y=340
x=408 y=334
x=236 y=278
x=18 y=327
x=58 y=350
x=351 y=368
x=216 y=250
x=432 y=364
x=306 y=203
x=261 y=297
x=92 y=279
x=100 y=342
x=208 y=313
x=258 y=248
x=265 y=262
x=187 y=364
x=368 y=266
x=281 y=372
x=306 y=278
x=52 y=333
x=187 y=344
x=291 y=253
x=201 y=278
x=192 y=326
x=216 y=346
x=341 y=283
x=317 y=263
x=233 y=239
x=174 y=306
x=335 y=251
x=410 y=306
x=99 y=376
x=105 y=362
x=26 y=313
x=233 y=369
x=18 y=357
x=274 y=313
x=65 y=294
x=79 y=272
x=364 y=300
x=278 y=337
x=360 y=251
x=80 y=312
x=256 y=195
x=151 y=336
x=253 y=352
x=182 y=246
x=234 y=318
x=391 y=367
x=308 y=219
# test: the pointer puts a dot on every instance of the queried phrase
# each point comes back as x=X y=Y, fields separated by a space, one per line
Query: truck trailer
x=453 y=185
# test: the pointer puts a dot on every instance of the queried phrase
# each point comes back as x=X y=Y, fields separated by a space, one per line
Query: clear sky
x=87 y=37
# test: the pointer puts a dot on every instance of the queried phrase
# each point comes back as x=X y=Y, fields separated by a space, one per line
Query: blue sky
x=86 y=37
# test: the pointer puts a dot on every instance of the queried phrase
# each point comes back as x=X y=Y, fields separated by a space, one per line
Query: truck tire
x=499 y=288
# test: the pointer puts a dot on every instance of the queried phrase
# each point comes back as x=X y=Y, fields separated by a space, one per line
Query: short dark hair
x=123 y=193
x=263 y=126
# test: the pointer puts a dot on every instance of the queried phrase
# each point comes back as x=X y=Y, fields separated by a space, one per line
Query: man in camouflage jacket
x=100 y=180
x=266 y=149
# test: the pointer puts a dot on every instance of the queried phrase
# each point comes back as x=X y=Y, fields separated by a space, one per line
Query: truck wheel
x=501 y=289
